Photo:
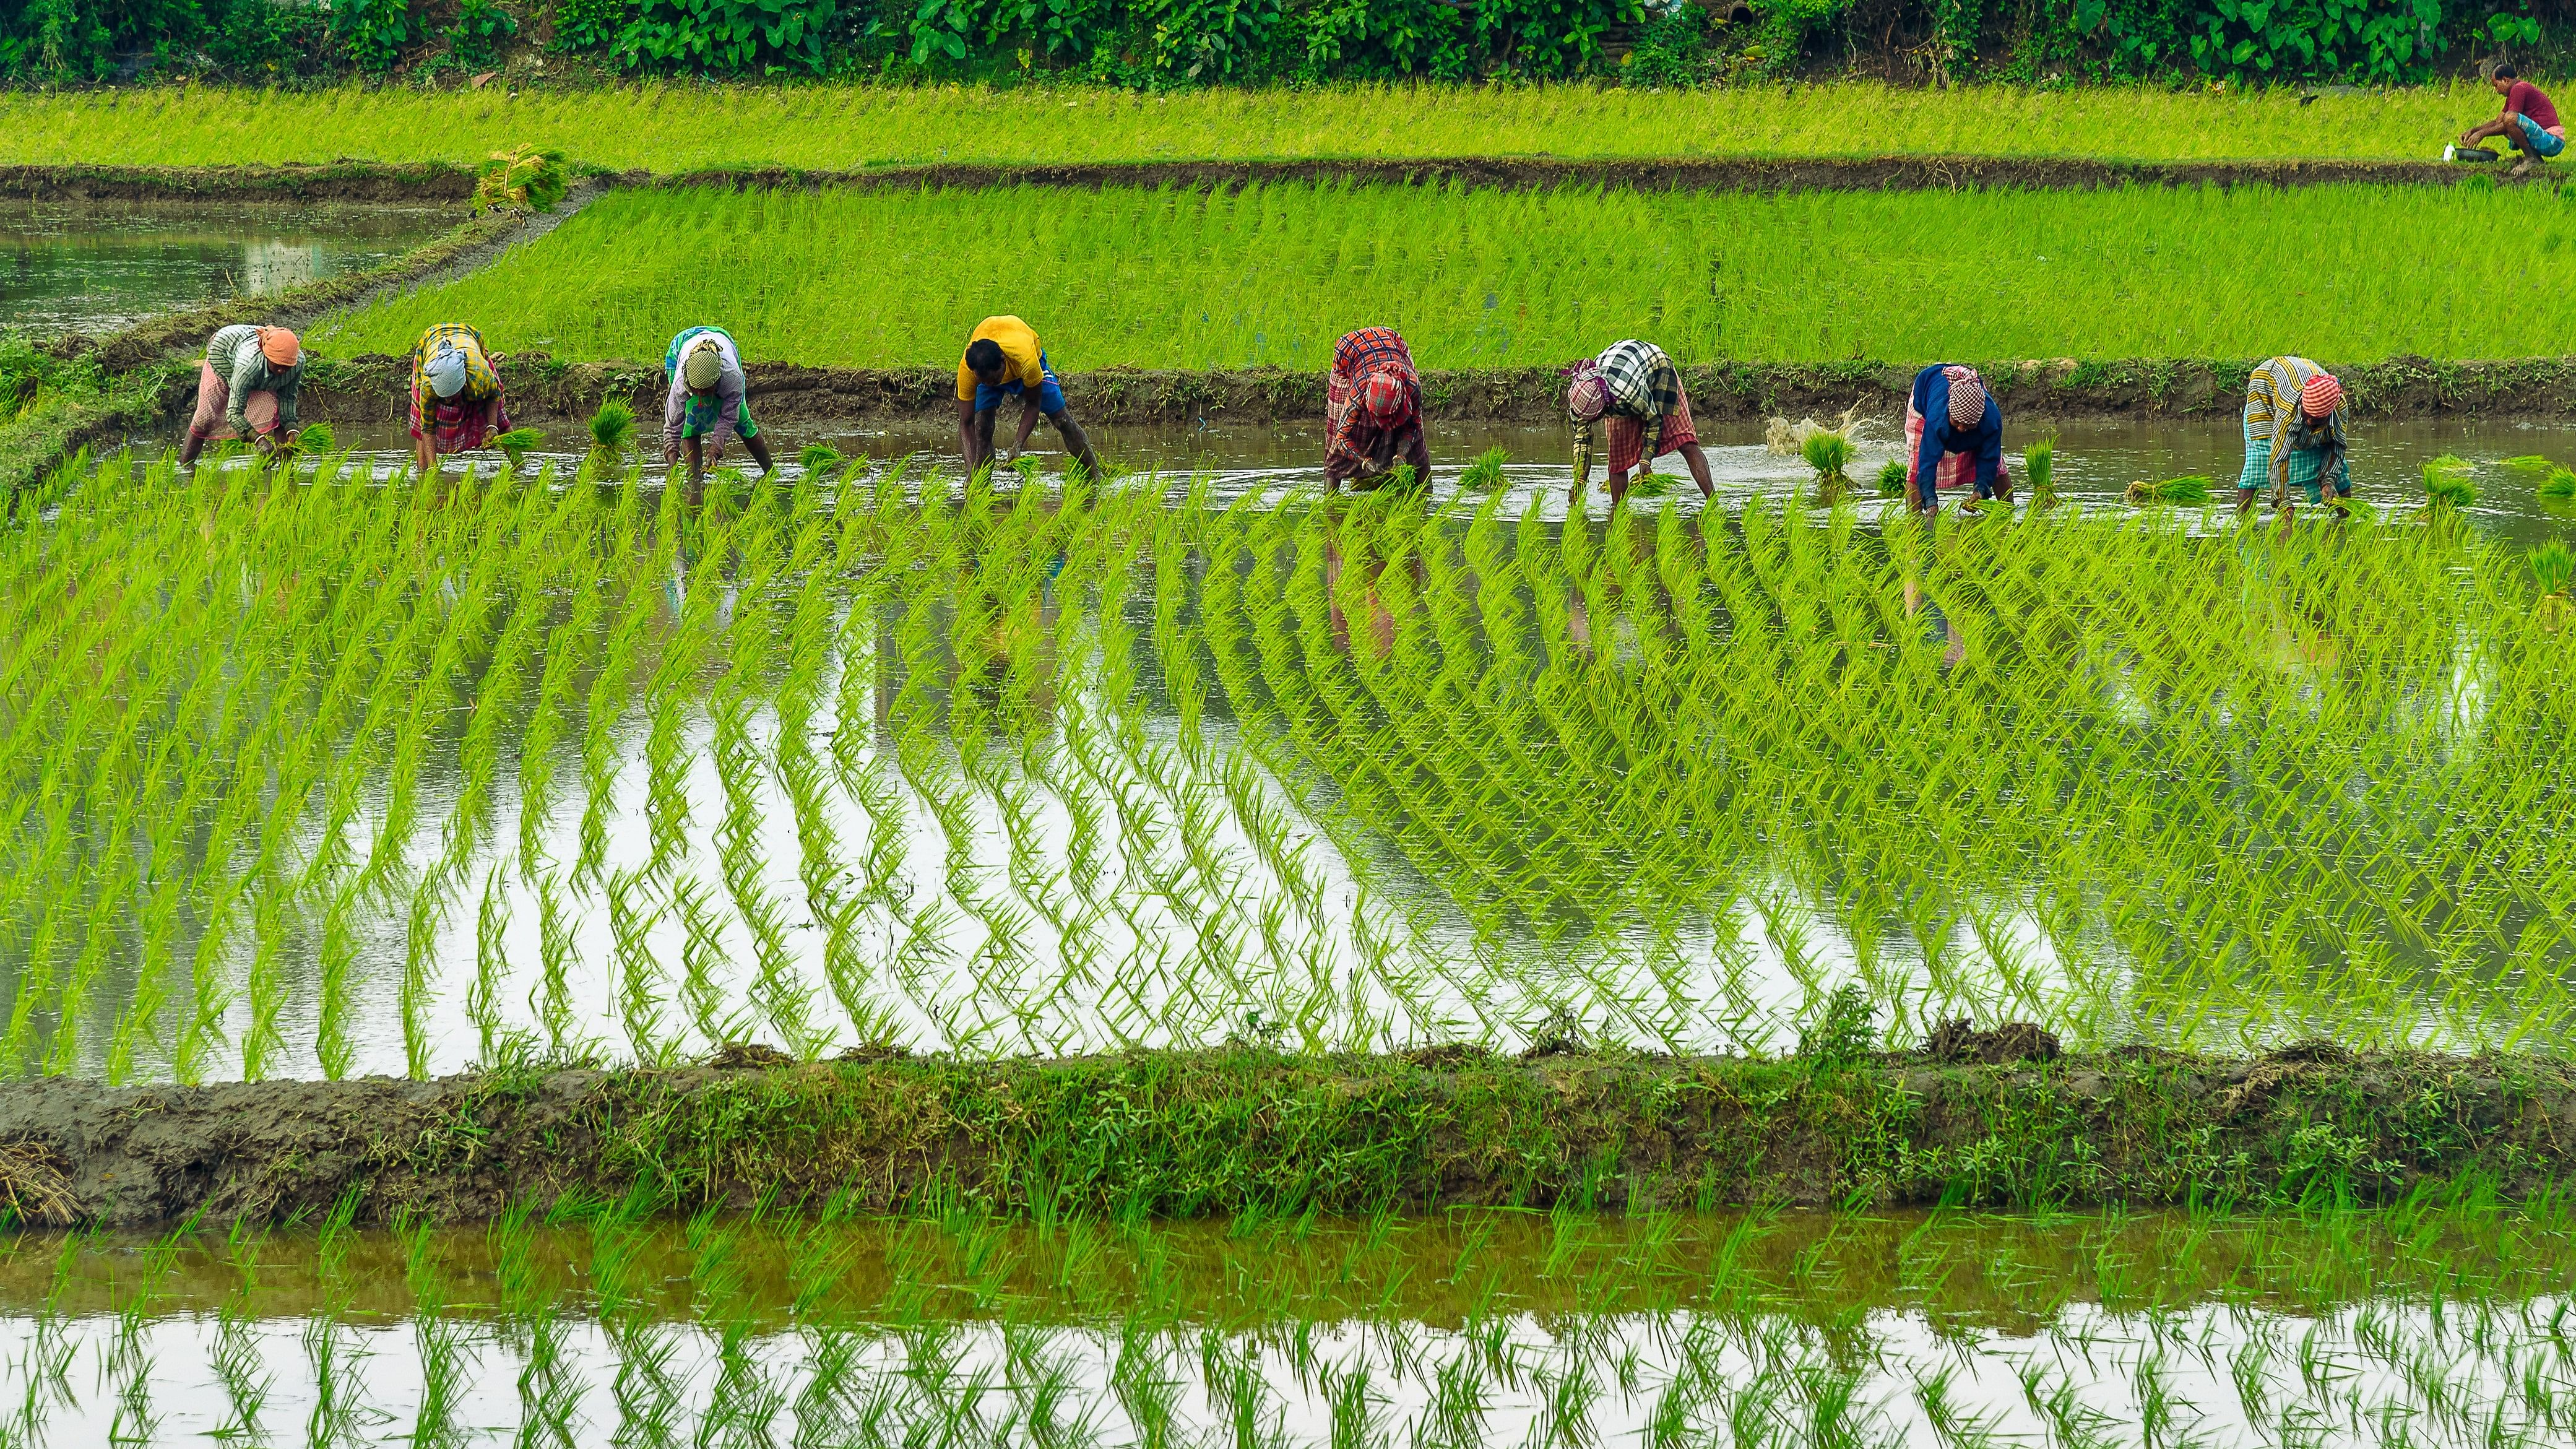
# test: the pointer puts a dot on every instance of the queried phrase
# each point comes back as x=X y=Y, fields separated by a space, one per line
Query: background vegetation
x=1164 y=43
x=1273 y=274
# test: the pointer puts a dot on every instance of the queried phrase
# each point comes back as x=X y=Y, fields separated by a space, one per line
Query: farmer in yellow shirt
x=1003 y=359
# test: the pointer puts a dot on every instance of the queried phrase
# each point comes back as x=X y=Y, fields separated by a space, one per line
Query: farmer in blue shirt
x=1954 y=433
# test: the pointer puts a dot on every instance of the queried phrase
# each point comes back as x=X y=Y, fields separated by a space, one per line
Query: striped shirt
x=482 y=384
x=233 y=352
x=2274 y=418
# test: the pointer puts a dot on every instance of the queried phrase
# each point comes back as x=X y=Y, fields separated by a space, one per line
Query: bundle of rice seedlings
x=2561 y=483
x=316 y=438
x=1486 y=473
x=1650 y=484
x=524 y=178
x=2553 y=567
x=1829 y=453
x=514 y=444
x=819 y=458
x=2038 y=464
x=612 y=432
x=2190 y=488
x=2447 y=484
x=1891 y=478
x=2528 y=463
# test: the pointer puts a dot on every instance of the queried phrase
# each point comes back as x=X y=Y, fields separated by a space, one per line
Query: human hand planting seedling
x=1633 y=390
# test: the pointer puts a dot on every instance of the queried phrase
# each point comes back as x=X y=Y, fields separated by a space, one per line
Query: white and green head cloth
x=703 y=365
x=445 y=371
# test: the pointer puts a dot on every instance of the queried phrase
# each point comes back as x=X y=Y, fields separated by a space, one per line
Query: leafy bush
x=589 y=24
x=726 y=37
x=481 y=25
x=1847 y=1030
x=1671 y=50
x=375 y=32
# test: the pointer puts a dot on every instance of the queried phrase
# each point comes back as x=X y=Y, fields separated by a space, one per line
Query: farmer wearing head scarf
x=2294 y=435
x=706 y=406
x=246 y=387
x=456 y=403
x=1633 y=390
x=1372 y=410
x=1954 y=435
x=1004 y=360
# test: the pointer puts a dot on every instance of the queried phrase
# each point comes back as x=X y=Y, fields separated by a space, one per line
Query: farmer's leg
x=1695 y=459
x=1076 y=442
x=759 y=449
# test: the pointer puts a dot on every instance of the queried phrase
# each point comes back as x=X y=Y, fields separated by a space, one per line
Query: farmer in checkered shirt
x=1633 y=390
x=1373 y=411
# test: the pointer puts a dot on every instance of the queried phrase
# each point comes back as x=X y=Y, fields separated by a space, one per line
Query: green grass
x=1273 y=274
x=681 y=127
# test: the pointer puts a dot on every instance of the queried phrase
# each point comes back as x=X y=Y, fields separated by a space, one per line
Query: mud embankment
x=1218 y=1132
x=362 y=181
x=371 y=388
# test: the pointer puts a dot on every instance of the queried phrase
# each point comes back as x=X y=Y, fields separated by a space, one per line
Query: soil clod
x=1960 y=1041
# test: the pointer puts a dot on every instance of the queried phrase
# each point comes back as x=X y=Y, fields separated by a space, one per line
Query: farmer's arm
x=673 y=408
x=728 y=424
x=1418 y=453
x=250 y=373
x=966 y=431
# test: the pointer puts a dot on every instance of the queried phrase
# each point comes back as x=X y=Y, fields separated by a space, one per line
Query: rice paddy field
x=1421 y=810
x=681 y=127
x=1274 y=274
x=330 y=777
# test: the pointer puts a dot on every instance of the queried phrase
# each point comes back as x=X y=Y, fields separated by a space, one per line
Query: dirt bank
x=367 y=181
x=542 y=390
x=1200 y=1133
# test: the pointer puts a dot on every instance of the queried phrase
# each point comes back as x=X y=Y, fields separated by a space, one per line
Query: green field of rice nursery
x=324 y=777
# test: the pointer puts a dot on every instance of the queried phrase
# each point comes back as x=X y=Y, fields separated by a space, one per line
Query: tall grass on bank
x=1274 y=274
x=679 y=127
x=303 y=767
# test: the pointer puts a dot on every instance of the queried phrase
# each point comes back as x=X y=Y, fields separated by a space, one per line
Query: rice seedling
x=819 y=458
x=2038 y=465
x=612 y=437
x=1486 y=473
x=2449 y=486
x=2191 y=488
x=2558 y=485
x=1224 y=277
x=1829 y=454
x=1890 y=480
x=517 y=443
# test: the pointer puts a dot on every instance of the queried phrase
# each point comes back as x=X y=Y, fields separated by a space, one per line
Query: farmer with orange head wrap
x=1372 y=410
x=246 y=387
x=2294 y=436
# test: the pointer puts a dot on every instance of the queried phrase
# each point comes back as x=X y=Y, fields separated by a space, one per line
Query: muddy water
x=1485 y=1327
x=2095 y=461
x=96 y=267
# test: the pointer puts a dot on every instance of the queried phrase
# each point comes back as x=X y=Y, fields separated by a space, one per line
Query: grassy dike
x=1249 y=1131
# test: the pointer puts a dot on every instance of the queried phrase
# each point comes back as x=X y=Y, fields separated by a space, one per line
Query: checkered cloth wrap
x=2277 y=423
x=1967 y=395
x=1372 y=403
x=1645 y=395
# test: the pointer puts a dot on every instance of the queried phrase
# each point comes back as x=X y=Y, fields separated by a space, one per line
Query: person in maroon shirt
x=2529 y=123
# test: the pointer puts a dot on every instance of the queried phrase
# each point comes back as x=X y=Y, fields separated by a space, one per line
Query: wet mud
x=1993 y=1120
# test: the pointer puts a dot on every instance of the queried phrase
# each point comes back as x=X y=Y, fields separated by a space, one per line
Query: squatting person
x=1372 y=410
x=706 y=406
x=1633 y=390
x=2294 y=435
x=456 y=400
x=246 y=388
x=1003 y=359
x=1954 y=437
x=2529 y=123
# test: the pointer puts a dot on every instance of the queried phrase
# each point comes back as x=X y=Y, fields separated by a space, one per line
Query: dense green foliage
x=671 y=127
x=1274 y=274
x=1162 y=43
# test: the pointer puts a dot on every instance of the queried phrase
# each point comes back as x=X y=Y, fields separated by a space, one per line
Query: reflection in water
x=2407 y=1328
x=96 y=267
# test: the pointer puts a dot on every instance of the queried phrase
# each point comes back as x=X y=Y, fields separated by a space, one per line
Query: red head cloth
x=1382 y=398
x=2320 y=395
x=1967 y=396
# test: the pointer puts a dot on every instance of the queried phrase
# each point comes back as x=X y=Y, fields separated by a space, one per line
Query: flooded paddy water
x=97 y=267
x=2443 y=1323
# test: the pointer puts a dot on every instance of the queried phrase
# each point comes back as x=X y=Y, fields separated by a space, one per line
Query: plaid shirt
x=2274 y=415
x=1643 y=384
x=1357 y=441
x=482 y=384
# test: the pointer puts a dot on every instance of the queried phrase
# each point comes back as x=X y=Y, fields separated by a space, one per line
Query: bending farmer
x=456 y=403
x=706 y=405
x=1954 y=435
x=1003 y=359
x=1637 y=389
x=246 y=388
x=1372 y=410
x=2293 y=434
x=2529 y=121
